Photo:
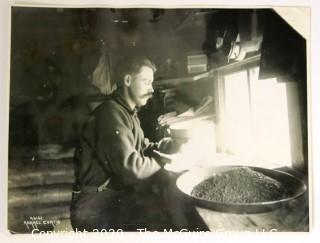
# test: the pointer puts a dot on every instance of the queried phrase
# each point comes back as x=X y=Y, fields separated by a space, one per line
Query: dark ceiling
x=70 y=40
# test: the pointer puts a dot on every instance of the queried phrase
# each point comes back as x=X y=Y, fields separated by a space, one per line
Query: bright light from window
x=256 y=118
x=270 y=119
x=237 y=112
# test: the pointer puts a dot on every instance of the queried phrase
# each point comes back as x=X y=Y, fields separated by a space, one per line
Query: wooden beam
x=176 y=81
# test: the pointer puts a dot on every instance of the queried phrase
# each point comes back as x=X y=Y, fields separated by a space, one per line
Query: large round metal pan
x=188 y=180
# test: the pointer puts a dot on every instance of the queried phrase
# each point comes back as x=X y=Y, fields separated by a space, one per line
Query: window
x=253 y=117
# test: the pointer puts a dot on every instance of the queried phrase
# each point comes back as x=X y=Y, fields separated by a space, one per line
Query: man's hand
x=170 y=146
x=165 y=158
x=165 y=145
x=169 y=158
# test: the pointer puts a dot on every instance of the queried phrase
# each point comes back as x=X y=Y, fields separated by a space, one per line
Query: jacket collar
x=118 y=97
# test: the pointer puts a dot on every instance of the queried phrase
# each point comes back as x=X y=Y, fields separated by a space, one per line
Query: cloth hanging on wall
x=101 y=76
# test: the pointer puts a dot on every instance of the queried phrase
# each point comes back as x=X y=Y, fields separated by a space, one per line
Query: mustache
x=147 y=95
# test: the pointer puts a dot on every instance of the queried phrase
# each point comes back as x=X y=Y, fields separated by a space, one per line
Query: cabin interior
x=240 y=73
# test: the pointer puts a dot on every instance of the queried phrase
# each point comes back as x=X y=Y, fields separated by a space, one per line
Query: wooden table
x=290 y=218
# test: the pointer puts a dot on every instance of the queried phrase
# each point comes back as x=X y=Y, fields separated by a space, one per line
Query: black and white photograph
x=157 y=120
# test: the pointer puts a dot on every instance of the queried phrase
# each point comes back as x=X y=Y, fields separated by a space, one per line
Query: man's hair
x=131 y=65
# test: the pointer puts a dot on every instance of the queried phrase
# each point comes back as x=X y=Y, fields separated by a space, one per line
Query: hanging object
x=101 y=75
x=249 y=37
x=233 y=35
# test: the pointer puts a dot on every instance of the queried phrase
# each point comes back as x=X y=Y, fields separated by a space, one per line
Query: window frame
x=298 y=159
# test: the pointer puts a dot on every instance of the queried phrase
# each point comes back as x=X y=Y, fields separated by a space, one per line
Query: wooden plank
x=290 y=218
x=24 y=220
x=43 y=172
x=39 y=195
x=210 y=73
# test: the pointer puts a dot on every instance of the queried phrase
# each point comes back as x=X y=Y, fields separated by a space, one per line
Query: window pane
x=270 y=119
x=237 y=114
x=256 y=118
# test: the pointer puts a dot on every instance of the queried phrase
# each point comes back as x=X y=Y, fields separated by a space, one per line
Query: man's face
x=140 y=88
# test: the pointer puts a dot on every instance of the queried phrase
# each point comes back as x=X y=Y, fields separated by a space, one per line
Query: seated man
x=116 y=170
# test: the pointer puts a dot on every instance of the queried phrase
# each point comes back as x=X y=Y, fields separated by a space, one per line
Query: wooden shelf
x=211 y=73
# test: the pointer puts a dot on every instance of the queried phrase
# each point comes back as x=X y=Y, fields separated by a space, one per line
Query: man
x=115 y=166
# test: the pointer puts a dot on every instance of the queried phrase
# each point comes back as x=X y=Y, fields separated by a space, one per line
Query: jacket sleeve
x=116 y=145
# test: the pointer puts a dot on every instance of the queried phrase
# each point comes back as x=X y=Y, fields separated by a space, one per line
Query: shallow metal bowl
x=188 y=180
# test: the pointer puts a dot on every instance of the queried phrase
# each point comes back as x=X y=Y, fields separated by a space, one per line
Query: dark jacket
x=112 y=146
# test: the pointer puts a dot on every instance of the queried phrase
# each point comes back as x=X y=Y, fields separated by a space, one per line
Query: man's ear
x=127 y=80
